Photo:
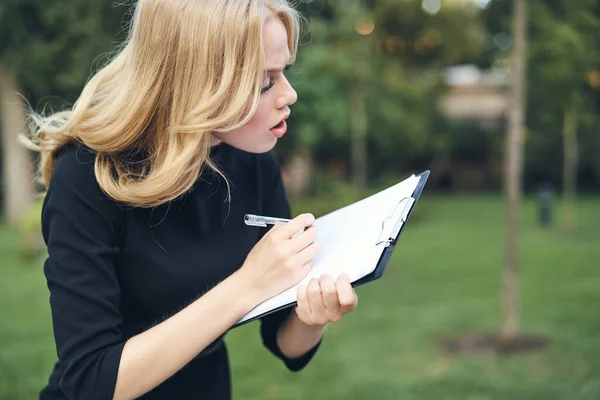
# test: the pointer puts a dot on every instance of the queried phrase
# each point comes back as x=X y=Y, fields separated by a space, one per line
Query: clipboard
x=388 y=239
x=390 y=242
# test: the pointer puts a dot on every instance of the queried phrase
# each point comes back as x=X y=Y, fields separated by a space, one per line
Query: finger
x=330 y=297
x=317 y=308
x=305 y=255
x=294 y=226
x=272 y=229
x=346 y=295
x=303 y=308
x=304 y=239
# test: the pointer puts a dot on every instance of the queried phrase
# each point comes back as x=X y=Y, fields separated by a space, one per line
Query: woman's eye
x=269 y=86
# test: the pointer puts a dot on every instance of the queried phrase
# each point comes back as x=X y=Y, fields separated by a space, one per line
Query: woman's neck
x=214 y=140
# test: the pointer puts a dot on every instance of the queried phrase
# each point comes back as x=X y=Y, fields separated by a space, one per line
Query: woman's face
x=261 y=132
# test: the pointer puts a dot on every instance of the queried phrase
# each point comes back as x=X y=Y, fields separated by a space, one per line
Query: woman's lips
x=279 y=130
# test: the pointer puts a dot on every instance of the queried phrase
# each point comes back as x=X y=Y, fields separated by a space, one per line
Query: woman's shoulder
x=74 y=165
x=74 y=177
x=75 y=191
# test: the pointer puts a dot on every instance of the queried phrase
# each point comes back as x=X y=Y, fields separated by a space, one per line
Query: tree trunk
x=297 y=172
x=358 y=129
x=513 y=167
x=570 y=165
x=18 y=187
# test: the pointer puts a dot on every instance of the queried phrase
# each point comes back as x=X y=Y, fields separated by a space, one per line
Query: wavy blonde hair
x=187 y=69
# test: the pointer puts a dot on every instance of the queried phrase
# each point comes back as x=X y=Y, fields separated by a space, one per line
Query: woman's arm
x=154 y=355
x=295 y=338
x=274 y=264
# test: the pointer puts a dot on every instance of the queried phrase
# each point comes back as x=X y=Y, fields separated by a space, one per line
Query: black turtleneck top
x=115 y=271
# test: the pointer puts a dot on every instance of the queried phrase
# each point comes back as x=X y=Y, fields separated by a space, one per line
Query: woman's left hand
x=325 y=300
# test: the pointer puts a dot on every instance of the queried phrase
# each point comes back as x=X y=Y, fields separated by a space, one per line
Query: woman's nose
x=288 y=95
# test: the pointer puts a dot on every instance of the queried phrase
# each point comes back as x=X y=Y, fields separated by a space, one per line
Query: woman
x=148 y=178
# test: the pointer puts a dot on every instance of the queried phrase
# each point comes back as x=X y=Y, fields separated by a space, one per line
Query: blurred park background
x=494 y=289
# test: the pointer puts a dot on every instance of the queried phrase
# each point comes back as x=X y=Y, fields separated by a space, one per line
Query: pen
x=259 y=220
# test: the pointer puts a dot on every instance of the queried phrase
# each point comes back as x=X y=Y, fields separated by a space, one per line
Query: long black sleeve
x=80 y=228
x=278 y=206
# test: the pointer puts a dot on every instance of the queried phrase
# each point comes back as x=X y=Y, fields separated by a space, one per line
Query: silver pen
x=262 y=221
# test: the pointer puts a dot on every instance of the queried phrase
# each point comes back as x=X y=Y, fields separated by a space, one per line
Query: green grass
x=444 y=280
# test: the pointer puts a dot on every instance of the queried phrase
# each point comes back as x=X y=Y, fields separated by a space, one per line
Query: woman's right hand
x=282 y=258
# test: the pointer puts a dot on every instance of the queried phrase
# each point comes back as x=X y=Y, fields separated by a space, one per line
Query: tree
x=46 y=49
x=513 y=169
x=566 y=51
x=342 y=50
x=18 y=183
x=563 y=59
x=368 y=82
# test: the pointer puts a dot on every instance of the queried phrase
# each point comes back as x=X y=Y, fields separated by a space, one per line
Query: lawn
x=443 y=280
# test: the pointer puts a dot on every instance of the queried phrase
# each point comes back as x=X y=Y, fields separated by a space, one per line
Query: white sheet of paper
x=347 y=240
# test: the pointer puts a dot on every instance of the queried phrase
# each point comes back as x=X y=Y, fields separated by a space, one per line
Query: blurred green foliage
x=563 y=70
x=401 y=84
x=29 y=230
x=393 y=50
x=55 y=46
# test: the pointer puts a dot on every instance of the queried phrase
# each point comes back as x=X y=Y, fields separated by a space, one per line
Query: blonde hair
x=187 y=69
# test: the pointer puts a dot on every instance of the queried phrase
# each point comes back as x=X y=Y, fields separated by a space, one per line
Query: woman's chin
x=256 y=147
x=263 y=148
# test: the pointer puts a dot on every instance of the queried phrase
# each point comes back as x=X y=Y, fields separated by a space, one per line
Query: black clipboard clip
x=400 y=215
